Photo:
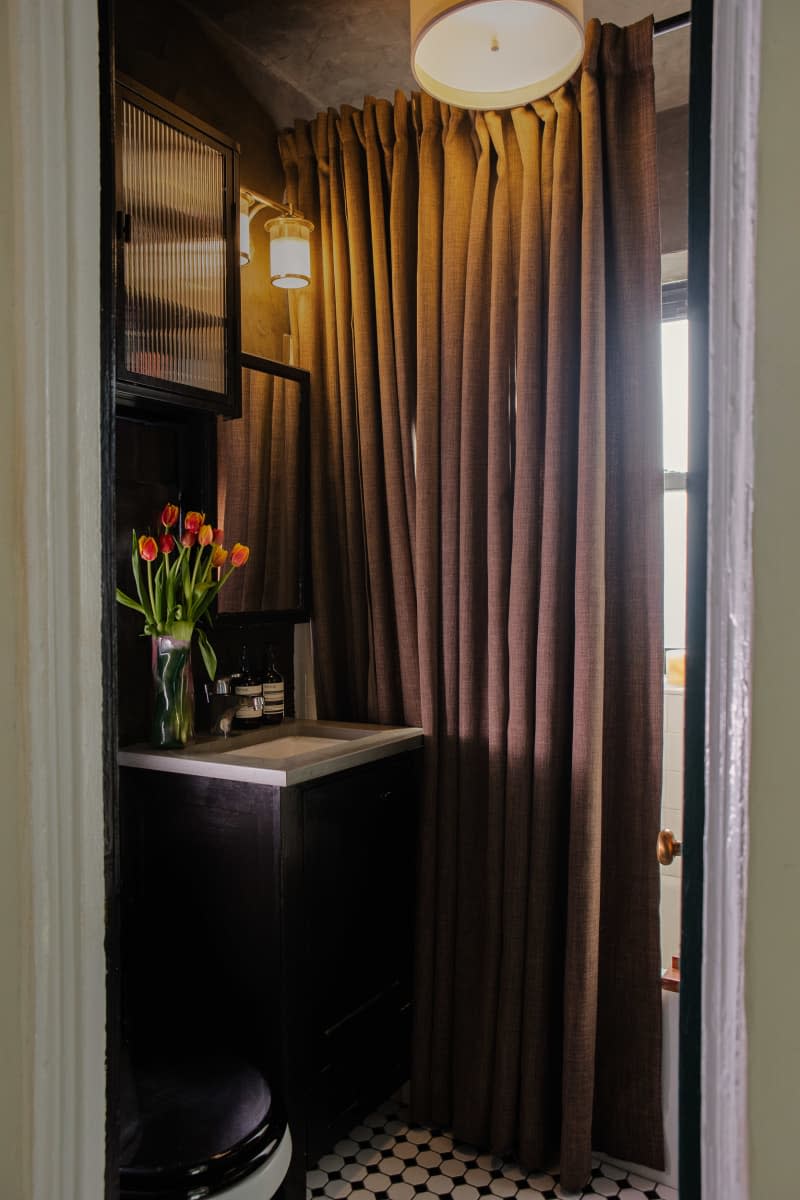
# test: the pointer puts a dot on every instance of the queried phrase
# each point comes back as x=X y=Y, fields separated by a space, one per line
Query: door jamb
x=731 y=396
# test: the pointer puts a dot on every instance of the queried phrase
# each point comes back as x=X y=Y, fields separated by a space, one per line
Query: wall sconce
x=289 y=240
x=494 y=53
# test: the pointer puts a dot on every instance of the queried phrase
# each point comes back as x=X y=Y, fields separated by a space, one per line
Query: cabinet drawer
x=368 y=1057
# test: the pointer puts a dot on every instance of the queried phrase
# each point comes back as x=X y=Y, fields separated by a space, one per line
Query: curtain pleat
x=483 y=332
x=633 y=729
x=258 y=476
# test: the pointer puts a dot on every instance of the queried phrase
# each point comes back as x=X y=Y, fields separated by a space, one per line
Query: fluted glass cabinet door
x=177 y=268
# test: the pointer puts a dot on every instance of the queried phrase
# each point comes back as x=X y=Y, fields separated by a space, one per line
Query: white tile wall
x=672 y=818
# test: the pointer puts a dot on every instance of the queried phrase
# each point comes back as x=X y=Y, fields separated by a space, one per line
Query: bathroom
x=292 y=971
x=64 y=713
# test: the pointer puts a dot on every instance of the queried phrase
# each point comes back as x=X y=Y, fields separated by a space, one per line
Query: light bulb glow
x=289 y=252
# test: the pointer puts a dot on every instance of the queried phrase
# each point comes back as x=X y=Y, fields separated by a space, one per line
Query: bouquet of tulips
x=182 y=573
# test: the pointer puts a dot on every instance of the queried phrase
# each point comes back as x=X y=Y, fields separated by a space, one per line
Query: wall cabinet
x=279 y=922
x=177 y=270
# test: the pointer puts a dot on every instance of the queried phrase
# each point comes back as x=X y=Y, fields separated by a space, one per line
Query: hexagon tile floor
x=385 y=1158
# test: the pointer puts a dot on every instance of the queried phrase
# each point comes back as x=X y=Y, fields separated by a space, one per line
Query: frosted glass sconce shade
x=244 y=237
x=289 y=240
x=494 y=54
x=289 y=251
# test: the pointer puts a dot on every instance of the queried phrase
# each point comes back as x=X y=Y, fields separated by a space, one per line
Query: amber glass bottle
x=272 y=688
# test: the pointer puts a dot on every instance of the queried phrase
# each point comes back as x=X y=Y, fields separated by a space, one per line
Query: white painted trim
x=56 y=146
x=734 y=173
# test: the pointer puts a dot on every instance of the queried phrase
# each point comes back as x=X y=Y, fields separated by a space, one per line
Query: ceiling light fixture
x=289 y=240
x=492 y=54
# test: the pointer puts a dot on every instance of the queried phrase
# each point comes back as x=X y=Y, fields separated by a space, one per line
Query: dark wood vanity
x=276 y=922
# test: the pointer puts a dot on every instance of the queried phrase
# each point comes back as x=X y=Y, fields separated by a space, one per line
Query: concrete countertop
x=274 y=756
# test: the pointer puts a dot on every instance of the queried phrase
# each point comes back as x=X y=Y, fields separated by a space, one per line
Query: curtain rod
x=681 y=21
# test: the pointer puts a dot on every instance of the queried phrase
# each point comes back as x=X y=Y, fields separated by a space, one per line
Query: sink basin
x=286 y=747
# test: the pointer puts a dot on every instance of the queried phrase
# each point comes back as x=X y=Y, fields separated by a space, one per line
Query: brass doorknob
x=668 y=847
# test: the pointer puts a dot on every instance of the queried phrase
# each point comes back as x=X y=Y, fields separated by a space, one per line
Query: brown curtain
x=258 y=480
x=484 y=340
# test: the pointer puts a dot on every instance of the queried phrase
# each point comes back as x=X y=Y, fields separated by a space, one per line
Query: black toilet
x=199 y=1123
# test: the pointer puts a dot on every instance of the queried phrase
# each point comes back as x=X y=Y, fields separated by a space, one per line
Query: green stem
x=194 y=572
x=150 y=590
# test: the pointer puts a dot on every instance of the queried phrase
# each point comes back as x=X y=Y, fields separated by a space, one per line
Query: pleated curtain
x=258 y=480
x=483 y=333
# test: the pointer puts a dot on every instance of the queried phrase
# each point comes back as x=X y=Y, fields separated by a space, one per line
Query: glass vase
x=173 y=693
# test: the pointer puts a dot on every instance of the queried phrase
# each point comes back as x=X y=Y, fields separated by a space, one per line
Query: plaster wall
x=15 y=881
x=673 y=178
x=773 y=945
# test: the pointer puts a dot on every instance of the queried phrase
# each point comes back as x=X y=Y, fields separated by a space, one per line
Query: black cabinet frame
x=302 y=610
x=144 y=391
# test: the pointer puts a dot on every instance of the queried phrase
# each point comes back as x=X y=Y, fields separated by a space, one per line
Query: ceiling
x=300 y=56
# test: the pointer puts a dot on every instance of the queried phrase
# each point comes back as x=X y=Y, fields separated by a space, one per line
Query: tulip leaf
x=207 y=653
x=129 y=603
x=186 y=583
x=172 y=573
x=137 y=574
x=159 y=589
x=207 y=600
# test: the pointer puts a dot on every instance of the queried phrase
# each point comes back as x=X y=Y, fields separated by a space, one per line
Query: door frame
x=730 y=383
x=53 y=271
x=64 y=419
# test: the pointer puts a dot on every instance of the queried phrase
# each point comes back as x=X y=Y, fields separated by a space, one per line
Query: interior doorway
x=67 y=1133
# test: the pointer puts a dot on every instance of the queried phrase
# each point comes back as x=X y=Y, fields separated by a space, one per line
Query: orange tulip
x=218 y=556
x=148 y=548
x=188 y=539
x=169 y=515
x=239 y=555
x=166 y=543
x=192 y=521
x=218 y=536
x=206 y=535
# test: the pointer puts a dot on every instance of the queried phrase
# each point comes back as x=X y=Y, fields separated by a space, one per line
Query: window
x=675 y=391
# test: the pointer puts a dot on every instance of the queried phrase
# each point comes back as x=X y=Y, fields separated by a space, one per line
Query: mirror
x=262 y=485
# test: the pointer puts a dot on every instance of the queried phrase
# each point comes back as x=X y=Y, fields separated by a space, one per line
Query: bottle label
x=273 y=698
x=248 y=714
x=250 y=710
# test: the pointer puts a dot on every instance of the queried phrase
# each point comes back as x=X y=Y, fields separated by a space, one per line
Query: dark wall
x=161 y=45
x=673 y=178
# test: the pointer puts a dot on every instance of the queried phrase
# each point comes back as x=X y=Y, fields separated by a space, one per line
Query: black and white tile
x=386 y=1158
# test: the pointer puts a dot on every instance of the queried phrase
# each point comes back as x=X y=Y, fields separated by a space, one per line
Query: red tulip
x=218 y=556
x=206 y=535
x=192 y=521
x=239 y=555
x=166 y=543
x=148 y=548
x=169 y=515
x=188 y=539
x=218 y=536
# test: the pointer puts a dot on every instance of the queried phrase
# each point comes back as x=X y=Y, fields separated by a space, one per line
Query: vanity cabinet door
x=359 y=847
x=177 y=273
